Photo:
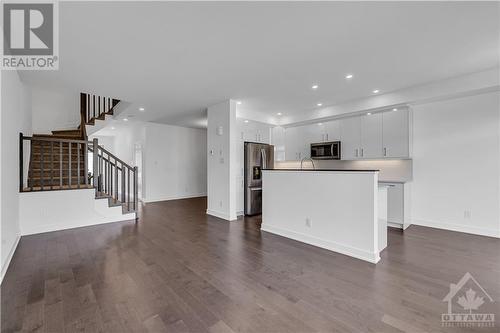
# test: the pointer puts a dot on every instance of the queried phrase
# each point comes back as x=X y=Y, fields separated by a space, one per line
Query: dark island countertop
x=341 y=170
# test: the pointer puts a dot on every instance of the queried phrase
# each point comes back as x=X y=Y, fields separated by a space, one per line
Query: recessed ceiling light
x=376 y=91
x=112 y=128
x=279 y=114
x=349 y=76
x=315 y=86
x=320 y=124
x=239 y=102
x=369 y=114
x=246 y=121
x=125 y=119
x=394 y=109
x=319 y=104
x=141 y=109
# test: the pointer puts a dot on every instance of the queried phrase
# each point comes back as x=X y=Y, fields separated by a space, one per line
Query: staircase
x=61 y=160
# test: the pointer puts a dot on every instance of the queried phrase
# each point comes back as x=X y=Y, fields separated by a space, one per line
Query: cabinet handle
x=385 y=151
x=356 y=152
x=362 y=152
x=326 y=136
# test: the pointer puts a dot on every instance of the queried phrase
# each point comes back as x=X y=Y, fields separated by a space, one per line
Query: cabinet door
x=264 y=134
x=278 y=140
x=395 y=203
x=371 y=136
x=396 y=133
x=303 y=141
x=332 y=131
x=350 y=129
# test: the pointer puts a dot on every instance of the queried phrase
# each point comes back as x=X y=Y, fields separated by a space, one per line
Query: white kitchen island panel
x=333 y=209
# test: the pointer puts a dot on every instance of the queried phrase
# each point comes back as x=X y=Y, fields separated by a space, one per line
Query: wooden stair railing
x=63 y=164
x=94 y=107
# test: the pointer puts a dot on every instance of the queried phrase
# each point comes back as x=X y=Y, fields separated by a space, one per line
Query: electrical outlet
x=308 y=222
x=467 y=214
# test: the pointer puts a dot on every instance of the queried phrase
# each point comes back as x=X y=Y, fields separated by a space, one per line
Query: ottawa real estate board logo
x=469 y=305
x=30 y=38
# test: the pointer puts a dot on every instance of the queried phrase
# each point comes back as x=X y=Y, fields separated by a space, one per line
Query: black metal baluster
x=60 y=166
x=31 y=159
x=41 y=165
x=69 y=164
x=78 y=166
x=21 y=163
x=51 y=165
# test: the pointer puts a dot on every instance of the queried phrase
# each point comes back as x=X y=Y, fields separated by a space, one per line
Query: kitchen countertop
x=341 y=170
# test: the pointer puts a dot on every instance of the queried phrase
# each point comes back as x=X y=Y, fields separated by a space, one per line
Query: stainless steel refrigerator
x=258 y=156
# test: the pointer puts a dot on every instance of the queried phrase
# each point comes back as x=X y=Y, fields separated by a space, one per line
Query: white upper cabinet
x=350 y=129
x=254 y=132
x=291 y=144
x=371 y=136
x=396 y=134
x=375 y=136
x=331 y=131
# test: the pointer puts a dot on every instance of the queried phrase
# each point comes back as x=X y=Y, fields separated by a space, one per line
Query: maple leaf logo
x=469 y=301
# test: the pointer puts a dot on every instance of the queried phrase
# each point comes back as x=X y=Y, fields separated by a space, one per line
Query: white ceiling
x=176 y=59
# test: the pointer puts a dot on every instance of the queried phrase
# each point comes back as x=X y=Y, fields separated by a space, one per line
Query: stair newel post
x=136 y=191
x=128 y=188
x=85 y=163
x=116 y=178
x=123 y=183
x=21 y=164
x=95 y=162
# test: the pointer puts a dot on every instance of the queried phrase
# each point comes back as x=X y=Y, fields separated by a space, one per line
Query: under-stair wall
x=58 y=210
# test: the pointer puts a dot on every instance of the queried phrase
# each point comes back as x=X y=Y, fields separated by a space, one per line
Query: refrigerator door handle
x=263 y=158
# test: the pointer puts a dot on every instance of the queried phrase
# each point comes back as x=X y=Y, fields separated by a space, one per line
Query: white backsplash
x=390 y=170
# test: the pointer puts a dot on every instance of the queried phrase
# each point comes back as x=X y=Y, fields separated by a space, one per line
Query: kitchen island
x=333 y=209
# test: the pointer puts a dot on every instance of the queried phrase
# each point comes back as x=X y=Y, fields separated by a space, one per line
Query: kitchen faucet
x=307 y=158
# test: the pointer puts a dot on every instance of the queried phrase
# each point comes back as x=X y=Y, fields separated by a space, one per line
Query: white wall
x=176 y=162
x=456 y=164
x=15 y=117
x=174 y=158
x=54 y=110
x=222 y=160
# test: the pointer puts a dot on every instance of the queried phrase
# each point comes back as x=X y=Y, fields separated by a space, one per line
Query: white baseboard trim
x=57 y=226
x=325 y=244
x=5 y=267
x=458 y=227
x=221 y=215
x=173 y=197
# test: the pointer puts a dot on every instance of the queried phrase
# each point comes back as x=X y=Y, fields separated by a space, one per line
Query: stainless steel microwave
x=325 y=150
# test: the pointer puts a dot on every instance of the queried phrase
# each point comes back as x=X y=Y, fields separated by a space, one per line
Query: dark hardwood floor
x=179 y=270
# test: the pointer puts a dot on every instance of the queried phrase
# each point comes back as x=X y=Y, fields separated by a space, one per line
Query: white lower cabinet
x=398 y=204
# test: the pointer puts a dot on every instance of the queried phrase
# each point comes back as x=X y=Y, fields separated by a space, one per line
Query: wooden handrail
x=31 y=138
